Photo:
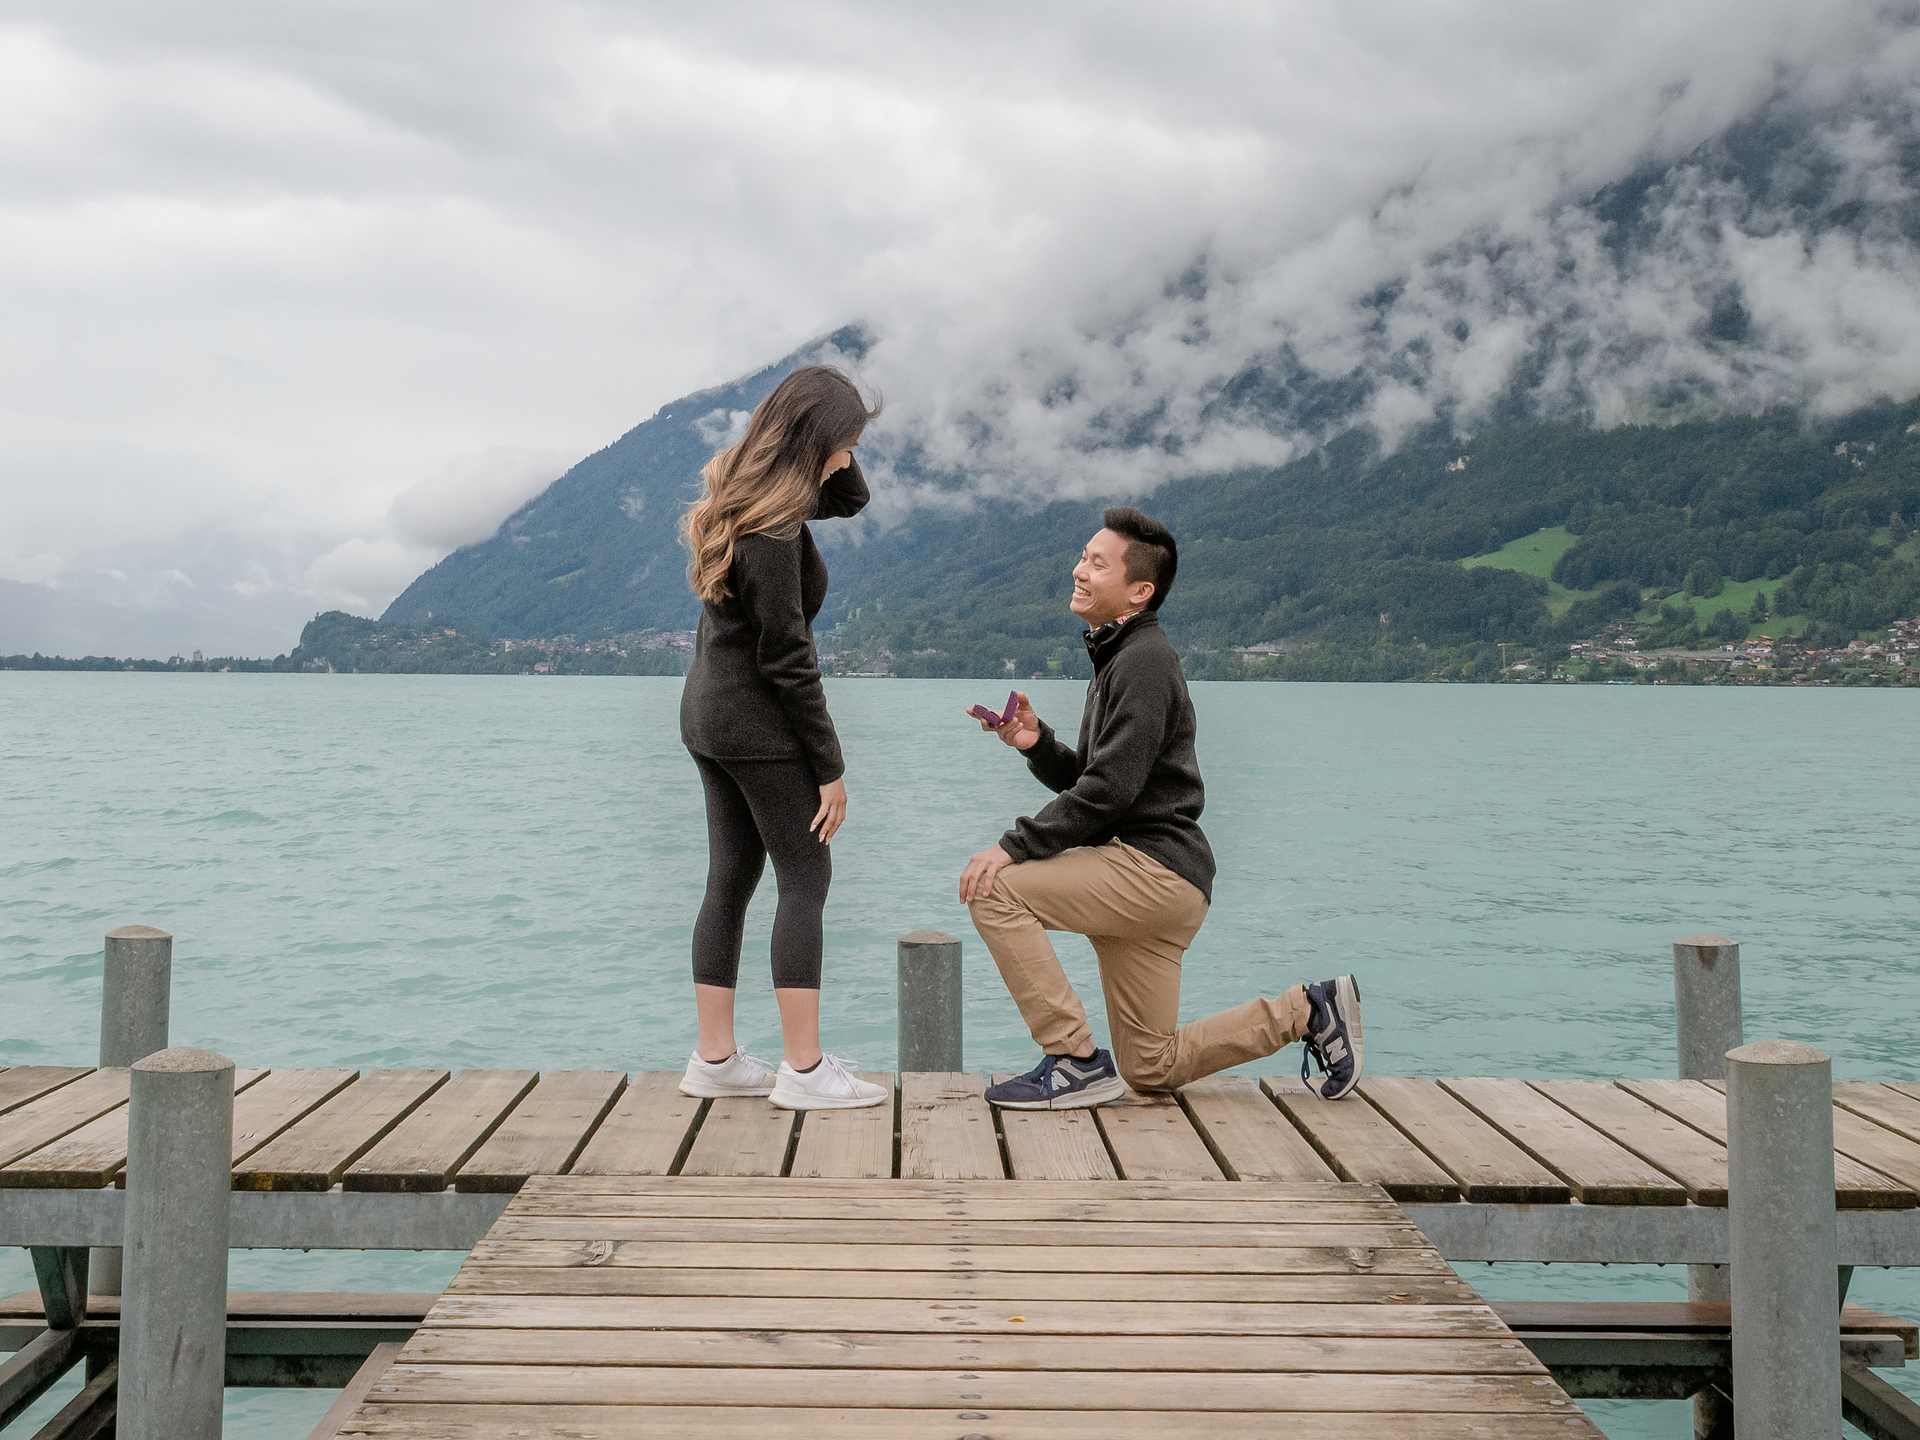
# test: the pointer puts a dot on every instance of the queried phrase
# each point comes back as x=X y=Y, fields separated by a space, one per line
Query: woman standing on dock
x=754 y=716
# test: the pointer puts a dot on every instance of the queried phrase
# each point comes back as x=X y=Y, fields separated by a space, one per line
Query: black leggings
x=757 y=808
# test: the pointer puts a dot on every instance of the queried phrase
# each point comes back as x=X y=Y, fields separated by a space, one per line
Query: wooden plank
x=1054 y=1144
x=88 y=1158
x=1490 y=1168
x=377 y=1365
x=545 y=1132
x=33 y=1369
x=1909 y=1088
x=280 y=1101
x=946 y=1129
x=709 y=1422
x=1331 y=1192
x=1702 y=1106
x=1598 y=1171
x=1360 y=1144
x=1874 y=1146
x=60 y=1112
x=818 y=1284
x=874 y=1351
x=29 y=1082
x=400 y=1307
x=1877 y=1150
x=955 y=1388
x=647 y=1132
x=1690 y=1317
x=882 y=1204
x=967 y=1259
x=421 y=1153
x=1883 y=1104
x=1152 y=1139
x=314 y=1153
x=848 y=1144
x=941 y=1317
x=1249 y=1135
x=742 y=1137
x=1679 y=1150
x=776 y=1229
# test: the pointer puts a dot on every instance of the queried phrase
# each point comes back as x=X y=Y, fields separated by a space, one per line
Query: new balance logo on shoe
x=1061 y=1083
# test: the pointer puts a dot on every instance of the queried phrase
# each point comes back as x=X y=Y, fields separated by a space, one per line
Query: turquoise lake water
x=373 y=870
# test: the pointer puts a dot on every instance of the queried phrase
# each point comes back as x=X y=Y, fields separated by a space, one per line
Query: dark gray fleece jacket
x=753 y=691
x=1134 y=776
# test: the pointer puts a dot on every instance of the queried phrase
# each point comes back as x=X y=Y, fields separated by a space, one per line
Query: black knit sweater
x=753 y=691
x=1135 y=776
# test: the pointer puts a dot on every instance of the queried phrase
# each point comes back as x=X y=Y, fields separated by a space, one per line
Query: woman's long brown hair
x=769 y=481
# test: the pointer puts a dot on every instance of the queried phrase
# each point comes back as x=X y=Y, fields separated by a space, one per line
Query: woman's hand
x=833 y=811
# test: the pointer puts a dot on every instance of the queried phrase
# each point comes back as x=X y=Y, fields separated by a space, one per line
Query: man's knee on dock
x=1148 y=1063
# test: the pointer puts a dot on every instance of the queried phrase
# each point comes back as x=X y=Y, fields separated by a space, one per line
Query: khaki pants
x=1140 y=917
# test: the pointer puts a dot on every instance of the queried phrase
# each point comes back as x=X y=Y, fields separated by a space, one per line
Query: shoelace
x=1042 y=1074
x=1313 y=1052
x=841 y=1066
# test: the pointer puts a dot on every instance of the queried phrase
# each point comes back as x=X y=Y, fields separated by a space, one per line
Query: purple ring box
x=981 y=712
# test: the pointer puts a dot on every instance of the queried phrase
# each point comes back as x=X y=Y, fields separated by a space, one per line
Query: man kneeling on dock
x=1118 y=856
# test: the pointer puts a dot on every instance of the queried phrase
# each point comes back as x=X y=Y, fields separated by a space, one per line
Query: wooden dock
x=607 y=1307
x=933 y=1266
x=640 y=1262
x=1491 y=1169
x=1630 y=1142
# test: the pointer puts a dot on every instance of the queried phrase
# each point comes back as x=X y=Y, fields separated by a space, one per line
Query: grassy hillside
x=1536 y=555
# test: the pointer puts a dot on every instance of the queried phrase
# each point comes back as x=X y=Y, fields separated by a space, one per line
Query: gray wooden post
x=1706 y=1007
x=136 y=996
x=1782 y=1242
x=929 y=1001
x=173 y=1331
x=1706 y=1004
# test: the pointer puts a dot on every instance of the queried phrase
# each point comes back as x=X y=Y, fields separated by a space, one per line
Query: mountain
x=1522 y=523
x=598 y=552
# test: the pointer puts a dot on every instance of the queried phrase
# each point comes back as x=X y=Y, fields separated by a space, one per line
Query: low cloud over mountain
x=354 y=302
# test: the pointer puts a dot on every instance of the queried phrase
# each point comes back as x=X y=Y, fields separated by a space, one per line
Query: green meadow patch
x=1536 y=554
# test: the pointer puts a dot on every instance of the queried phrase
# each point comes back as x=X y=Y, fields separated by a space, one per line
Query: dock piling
x=1782 y=1242
x=929 y=1001
x=173 y=1329
x=136 y=997
x=1706 y=1005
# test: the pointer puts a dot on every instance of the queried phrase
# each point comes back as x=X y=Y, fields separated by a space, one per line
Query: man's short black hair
x=1151 y=553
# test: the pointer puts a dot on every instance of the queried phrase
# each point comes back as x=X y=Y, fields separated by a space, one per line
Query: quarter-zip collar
x=1104 y=641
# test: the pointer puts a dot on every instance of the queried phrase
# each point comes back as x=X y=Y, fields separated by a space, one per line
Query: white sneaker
x=830 y=1085
x=738 y=1074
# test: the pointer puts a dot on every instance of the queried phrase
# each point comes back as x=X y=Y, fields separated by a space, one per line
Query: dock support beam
x=174 y=1317
x=1706 y=1007
x=929 y=1001
x=136 y=997
x=1782 y=1242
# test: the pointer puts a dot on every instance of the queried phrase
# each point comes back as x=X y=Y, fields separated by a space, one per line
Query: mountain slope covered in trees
x=1358 y=560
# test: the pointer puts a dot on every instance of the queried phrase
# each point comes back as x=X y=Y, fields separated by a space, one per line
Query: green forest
x=1353 y=562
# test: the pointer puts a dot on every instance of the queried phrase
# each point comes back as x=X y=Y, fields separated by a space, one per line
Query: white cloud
x=467 y=500
x=350 y=303
x=722 y=426
x=363 y=574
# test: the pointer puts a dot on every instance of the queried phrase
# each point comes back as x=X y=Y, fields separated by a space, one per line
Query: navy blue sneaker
x=1333 y=1037
x=1061 y=1082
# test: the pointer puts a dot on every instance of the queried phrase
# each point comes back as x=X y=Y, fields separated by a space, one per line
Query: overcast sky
x=300 y=296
